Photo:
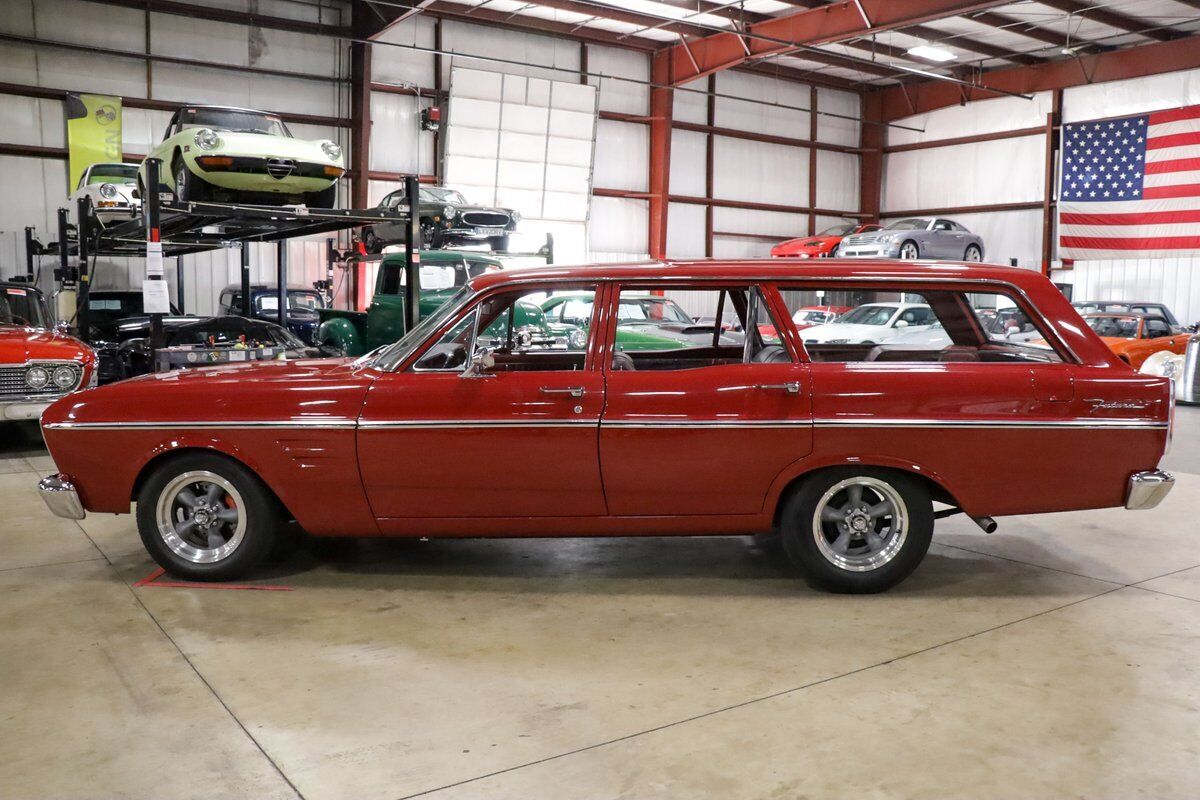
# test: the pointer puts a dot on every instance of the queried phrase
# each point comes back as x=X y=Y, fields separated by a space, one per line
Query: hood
x=20 y=344
x=308 y=389
x=871 y=237
x=806 y=244
x=834 y=330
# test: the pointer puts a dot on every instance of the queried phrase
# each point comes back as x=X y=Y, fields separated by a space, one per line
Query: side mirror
x=481 y=361
x=901 y=323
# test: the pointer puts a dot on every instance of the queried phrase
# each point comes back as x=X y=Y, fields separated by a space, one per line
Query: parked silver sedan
x=915 y=237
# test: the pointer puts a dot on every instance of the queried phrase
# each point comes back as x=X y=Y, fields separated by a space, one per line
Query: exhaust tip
x=986 y=524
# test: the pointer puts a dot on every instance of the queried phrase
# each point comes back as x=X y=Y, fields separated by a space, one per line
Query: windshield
x=224 y=119
x=868 y=315
x=908 y=225
x=651 y=309
x=113 y=173
x=22 y=307
x=813 y=317
x=389 y=357
x=437 y=194
x=837 y=230
x=1115 y=327
x=308 y=300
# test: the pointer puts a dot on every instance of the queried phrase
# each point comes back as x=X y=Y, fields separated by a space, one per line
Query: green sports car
x=222 y=154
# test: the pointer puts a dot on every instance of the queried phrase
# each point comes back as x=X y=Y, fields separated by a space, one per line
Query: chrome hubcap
x=199 y=516
x=908 y=251
x=860 y=524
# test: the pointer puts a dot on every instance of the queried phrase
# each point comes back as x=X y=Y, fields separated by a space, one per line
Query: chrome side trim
x=476 y=423
x=1075 y=422
x=205 y=425
x=1147 y=489
x=733 y=423
x=61 y=498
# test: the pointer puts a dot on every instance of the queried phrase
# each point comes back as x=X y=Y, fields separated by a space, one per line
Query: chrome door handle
x=791 y=387
x=573 y=391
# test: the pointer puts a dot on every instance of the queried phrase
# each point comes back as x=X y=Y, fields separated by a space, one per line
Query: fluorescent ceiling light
x=931 y=53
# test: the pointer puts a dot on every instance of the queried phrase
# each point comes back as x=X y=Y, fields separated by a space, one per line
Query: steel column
x=870 y=171
x=179 y=292
x=29 y=271
x=812 y=158
x=281 y=280
x=151 y=211
x=710 y=167
x=82 y=234
x=412 y=253
x=661 y=101
x=247 y=306
x=360 y=125
x=1052 y=122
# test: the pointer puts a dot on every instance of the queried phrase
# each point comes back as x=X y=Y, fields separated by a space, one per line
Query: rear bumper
x=1147 y=489
x=61 y=498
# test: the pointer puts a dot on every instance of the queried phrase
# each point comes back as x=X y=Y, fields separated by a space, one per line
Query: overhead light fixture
x=931 y=53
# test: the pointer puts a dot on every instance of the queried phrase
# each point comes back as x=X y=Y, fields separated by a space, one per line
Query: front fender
x=341 y=334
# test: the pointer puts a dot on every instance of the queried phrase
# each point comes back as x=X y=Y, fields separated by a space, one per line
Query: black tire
x=188 y=187
x=798 y=530
x=431 y=237
x=973 y=253
x=260 y=508
x=499 y=244
x=326 y=198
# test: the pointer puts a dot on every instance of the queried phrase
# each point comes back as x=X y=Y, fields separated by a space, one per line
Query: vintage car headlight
x=331 y=149
x=449 y=212
x=108 y=190
x=206 y=139
x=37 y=378
x=515 y=215
x=577 y=339
x=64 y=377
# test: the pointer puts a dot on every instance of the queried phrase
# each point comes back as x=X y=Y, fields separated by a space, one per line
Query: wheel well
x=162 y=459
x=913 y=242
x=937 y=492
x=1124 y=358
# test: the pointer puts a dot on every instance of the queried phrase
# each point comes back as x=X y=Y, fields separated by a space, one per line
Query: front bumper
x=19 y=410
x=256 y=173
x=61 y=497
x=886 y=250
x=476 y=233
x=1147 y=489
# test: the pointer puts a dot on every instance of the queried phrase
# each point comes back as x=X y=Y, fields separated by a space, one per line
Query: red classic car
x=37 y=364
x=822 y=245
x=844 y=448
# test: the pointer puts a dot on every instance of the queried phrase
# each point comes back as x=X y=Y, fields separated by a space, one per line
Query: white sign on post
x=155 y=298
x=154 y=259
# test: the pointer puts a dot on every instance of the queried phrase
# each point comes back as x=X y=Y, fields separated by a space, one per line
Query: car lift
x=181 y=228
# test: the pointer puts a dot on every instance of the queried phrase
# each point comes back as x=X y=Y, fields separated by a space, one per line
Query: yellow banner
x=93 y=133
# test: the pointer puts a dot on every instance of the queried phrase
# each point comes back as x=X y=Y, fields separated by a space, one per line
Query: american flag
x=1131 y=186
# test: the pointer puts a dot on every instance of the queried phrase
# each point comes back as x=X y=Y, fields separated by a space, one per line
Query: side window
x=1156 y=328
x=664 y=328
x=943 y=225
x=987 y=327
x=511 y=332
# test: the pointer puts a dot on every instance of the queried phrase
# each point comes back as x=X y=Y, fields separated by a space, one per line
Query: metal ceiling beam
x=822 y=25
x=971 y=45
x=1097 y=13
x=1027 y=29
x=210 y=12
x=1132 y=62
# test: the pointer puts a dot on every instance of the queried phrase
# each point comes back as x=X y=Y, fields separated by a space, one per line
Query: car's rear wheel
x=973 y=253
x=206 y=518
x=431 y=237
x=857 y=529
x=910 y=250
x=372 y=242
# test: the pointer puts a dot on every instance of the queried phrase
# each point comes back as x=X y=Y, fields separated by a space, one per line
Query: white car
x=872 y=323
x=112 y=188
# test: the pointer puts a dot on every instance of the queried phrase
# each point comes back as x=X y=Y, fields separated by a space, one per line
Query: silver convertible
x=915 y=237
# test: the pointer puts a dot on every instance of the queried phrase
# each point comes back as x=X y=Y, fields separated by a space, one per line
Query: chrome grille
x=13 y=385
x=859 y=240
x=280 y=168
x=487 y=219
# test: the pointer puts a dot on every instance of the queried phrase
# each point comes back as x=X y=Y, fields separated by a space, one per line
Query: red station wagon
x=844 y=448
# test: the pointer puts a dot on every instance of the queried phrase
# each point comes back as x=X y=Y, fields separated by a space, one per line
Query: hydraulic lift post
x=246 y=280
x=179 y=284
x=282 y=282
x=412 y=252
x=151 y=204
x=29 y=272
x=82 y=234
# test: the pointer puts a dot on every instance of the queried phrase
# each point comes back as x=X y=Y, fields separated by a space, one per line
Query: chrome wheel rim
x=973 y=254
x=908 y=250
x=200 y=518
x=860 y=524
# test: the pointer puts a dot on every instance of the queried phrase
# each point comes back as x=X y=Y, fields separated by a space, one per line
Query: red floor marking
x=153 y=580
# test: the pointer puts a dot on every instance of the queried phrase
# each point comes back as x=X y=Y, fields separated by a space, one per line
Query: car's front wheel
x=206 y=518
x=326 y=198
x=910 y=250
x=188 y=188
x=498 y=244
x=857 y=529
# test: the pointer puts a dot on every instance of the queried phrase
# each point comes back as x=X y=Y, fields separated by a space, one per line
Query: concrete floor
x=1059 y=657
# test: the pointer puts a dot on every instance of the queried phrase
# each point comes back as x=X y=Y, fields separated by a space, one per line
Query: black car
x=1144 y=308
x=136 y=357
x=303 y=305
x=446 y=218
x=107 y=307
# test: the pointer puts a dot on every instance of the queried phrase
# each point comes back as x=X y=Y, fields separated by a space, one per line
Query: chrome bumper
x=1147 y=489
x=20 y=410
x=60 y=496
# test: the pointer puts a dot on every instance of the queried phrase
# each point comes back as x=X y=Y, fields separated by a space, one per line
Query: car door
x=695 y=429
x=517 y=439
x=943 y=240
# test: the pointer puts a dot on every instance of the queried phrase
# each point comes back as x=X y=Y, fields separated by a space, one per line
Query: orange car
x=1134 y=338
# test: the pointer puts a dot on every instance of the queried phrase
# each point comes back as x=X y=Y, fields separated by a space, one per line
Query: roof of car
x=225 y=108
x=237 y=287
x=773 y=269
